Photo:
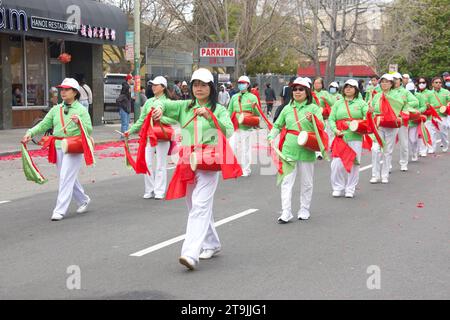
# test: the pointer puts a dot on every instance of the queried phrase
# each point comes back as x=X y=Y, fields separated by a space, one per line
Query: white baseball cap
x=159 y=81
x=351 y=82
x=244 y=79
x=387 y=76
x=184 y=83
x=203 y=75
x=410 y=86
x=308 y=79
x=406 y=76
x=396 y=75
x=302 y=82
x=70 y=83
x=334 y=84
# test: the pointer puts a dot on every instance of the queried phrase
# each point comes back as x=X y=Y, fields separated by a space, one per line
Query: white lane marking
x=6 y=201
x=180 y=238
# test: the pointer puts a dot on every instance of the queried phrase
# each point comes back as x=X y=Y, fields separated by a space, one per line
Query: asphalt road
x=331 y=256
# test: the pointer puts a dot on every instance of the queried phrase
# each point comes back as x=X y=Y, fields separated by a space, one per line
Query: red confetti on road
x=420 y=205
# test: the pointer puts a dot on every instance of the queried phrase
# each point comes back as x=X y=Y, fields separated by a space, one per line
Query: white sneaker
x=404 y=168
x=374 y=180
x=285 y=218
x=57 y=217
x=423 y=155
x=445 y=149
x=187 y=262
x=303 y=215
x=148 y=196
x=337 y=194
x=209 y=253
x=414 y=158
x=84 y=206
x=384 y=181
x=349 y=195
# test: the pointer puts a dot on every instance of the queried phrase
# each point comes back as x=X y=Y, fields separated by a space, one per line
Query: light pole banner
x=129 y=45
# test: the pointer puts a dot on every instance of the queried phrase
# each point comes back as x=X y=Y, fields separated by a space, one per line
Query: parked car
x=112 y=85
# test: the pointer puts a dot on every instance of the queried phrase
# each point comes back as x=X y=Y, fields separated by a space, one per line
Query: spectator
x=185 y=92
x=255 y=91
x=149 y=92
x=143 y=96
x=231 y=90
x=362 y=88
x=177 y=89
x=124 y=104
x=285 y=95
x=405 y=79
x=17 y=97
x=270 y=98
x=85 y=92
x=53 y=97
x=224 y=96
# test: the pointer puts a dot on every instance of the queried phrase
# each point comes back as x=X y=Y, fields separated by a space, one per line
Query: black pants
x=269 y=107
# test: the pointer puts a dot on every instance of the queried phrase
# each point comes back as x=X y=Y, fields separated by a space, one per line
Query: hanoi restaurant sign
x=53 y=25
x=18 y=20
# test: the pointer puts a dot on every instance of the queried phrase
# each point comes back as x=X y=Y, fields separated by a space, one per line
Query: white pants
x=156 y=182
x=200 y=231
x=330 y=133
x=378 y=169
x=414 y=141
x=242 y=137
x=404 y=145
x=341 y=180
x=423 y=148
x=68 y=168
x=440 y=135
x=306 y=189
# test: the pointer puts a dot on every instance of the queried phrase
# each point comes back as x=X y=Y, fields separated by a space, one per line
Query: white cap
x=410 y=86
x=387 y=76
x=351 y=82
x=334 y=84
x=184 y=83
x=159 y=80
x=244 y=79
x=308 y=79
x=406 y=76
x=203 y=75
x=301 y=81
x=396 y=75
x=70 y=83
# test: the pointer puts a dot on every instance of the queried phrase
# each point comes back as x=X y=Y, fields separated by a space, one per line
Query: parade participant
x=68 y=119
x=388 y=108
x=422 y=94
x=206 y=125
x=347 y=146
x=243 y=102
x=411 y=104
x=438 y=98
x=333 y=89
x=299 y=115
x=324 y=100
x=372 y=89
x=156 y=180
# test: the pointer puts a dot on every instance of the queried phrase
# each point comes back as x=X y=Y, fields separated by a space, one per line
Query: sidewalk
x=10 y=139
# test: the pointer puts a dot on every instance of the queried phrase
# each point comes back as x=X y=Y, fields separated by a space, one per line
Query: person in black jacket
x=270 y=98
x=285 y=98
x=124 y=104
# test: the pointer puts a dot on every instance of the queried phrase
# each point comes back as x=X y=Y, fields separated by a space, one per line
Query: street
x=400 y=230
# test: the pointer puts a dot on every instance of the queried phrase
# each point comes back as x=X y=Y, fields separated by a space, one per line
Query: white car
x=112 y=85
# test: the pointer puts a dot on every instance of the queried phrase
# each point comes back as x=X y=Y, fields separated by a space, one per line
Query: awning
x=48 y=18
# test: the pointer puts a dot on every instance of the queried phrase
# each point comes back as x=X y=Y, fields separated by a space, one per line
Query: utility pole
x=137 y=59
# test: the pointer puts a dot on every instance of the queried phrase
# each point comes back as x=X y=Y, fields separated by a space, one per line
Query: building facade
x=34 y=35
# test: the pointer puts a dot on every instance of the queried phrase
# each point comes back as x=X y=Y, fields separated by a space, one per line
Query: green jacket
x=335 y=97
x=370 y=90
x=411 y=100
x=248 y=100
x=422 y=96
x=439 y=98
x=206 y=130
x=148 y=106
x=398 y=104
x=53 y=120
x=358 y=110
x=291 y=149
x=323 y=94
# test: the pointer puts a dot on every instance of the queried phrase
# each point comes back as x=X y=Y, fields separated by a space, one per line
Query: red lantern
x=65 y=58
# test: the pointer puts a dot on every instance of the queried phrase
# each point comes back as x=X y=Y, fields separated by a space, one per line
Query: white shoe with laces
x=83 y=208
x=148 y=196
x=374 y=180
x=57 y=217
x=209 y=253
x=349 y=195
x=187 y=262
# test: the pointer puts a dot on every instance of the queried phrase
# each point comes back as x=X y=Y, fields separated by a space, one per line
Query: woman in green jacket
x=68 y=164
x=344 y=111
x=156 y=181
x=297 y=116
x=325 y=101
x=206 y=124
x=422 y=94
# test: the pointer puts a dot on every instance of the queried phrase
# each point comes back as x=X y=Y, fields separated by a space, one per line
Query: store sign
x=13 y=19
x=129 y=46
x=217 y=54
x=53 y=25
x=88 y=31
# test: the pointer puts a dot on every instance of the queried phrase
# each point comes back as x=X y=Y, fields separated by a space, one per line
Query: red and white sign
x=217 y=52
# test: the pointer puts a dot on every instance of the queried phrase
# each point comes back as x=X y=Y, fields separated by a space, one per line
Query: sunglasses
x=422 y=82
x=301 y=89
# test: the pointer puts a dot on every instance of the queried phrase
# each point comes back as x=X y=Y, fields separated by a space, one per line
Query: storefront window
x=16 y=54
x=35 y=71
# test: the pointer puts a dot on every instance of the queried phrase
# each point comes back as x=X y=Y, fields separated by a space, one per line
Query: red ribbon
x=340 y=149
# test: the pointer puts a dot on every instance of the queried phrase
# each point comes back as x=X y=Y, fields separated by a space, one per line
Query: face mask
x=422 y=86
x=242 y=86
x=447 y=84
x=333 y=90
